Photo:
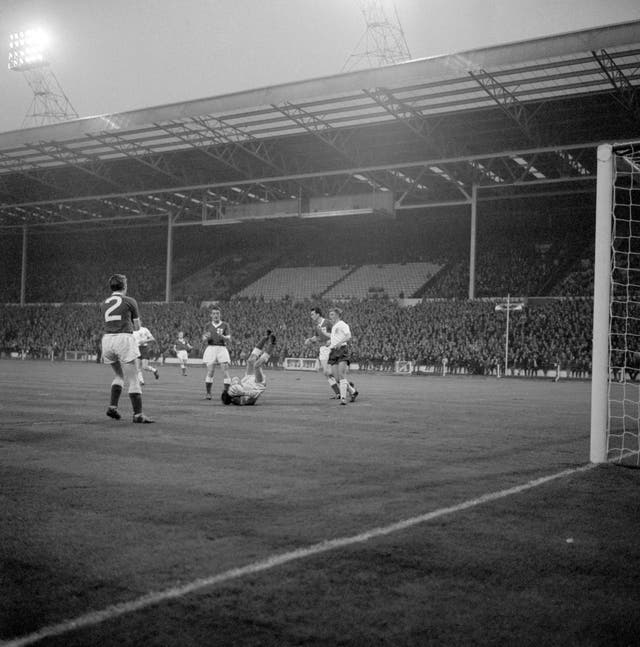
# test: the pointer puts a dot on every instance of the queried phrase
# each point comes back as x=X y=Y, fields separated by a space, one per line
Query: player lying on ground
x=247 y=390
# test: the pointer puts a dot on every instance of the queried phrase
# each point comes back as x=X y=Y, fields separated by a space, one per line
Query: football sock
x=333 y=384
x=136 y=402
x=116 y=390
x=344 y=386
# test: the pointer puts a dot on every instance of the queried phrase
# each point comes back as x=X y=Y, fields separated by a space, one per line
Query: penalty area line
x=154 y=598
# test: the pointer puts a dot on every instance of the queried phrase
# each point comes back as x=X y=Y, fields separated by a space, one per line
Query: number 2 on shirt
x=117 y=301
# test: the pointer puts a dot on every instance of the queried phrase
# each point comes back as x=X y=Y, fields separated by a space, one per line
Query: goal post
x=601 y=284
x=615 y=389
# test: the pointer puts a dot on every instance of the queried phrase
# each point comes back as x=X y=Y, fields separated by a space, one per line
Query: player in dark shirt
x=322 y=335
x=217 y=336
x=181 y=349
x=121 y=317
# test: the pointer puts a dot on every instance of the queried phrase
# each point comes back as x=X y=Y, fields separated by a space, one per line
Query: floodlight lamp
x=27 y=49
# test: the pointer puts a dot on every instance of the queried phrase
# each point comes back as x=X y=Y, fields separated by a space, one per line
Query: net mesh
x=624 y=320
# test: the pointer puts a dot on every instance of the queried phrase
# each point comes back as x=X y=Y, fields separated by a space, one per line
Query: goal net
x=615 y=405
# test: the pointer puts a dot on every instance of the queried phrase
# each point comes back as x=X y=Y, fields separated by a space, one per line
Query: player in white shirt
x=247 y=390
x=339 y=359
x=143 y=338
x=322 y=335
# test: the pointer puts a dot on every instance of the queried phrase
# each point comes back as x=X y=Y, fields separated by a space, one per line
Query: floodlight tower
x=27 y=54
x=383 y=42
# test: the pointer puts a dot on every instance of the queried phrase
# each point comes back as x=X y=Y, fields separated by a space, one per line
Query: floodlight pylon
x=50 y=104
x=383 y=42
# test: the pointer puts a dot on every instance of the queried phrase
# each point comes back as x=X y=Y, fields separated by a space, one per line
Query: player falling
x=246 y=390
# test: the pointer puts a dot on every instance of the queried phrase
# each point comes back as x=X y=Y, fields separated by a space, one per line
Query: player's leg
x=111 y=349
x=258 y=362
x=134 y=390
x=209 y=359
x=116 y=391
x=353 y=391
x=259 y=374
x=138 y=363
x=336 y=372
x=256 y=356
x=147 y=367
x=224 y=360
x=342 y=380
x=323 y=358
x=332 y=380
x=182 y=356
x=227 y=377
x=351 y=387
x=208 y=380
x=255 y=365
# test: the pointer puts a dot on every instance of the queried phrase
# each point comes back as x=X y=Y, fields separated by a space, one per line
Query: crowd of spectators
x=469 y=334
x=524 y=255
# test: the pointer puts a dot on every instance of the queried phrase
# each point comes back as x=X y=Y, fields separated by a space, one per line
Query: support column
x=472 y=242
x=23 y=267
x=169 y=262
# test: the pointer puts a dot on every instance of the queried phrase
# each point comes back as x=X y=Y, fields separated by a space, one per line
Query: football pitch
x=432 y=511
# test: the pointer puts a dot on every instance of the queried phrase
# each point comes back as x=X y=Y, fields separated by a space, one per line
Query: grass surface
x=97 y=512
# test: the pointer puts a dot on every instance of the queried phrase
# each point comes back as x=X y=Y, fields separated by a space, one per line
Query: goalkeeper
x=247 y=390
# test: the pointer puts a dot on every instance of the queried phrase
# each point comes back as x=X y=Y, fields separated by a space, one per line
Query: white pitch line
x=151 y=599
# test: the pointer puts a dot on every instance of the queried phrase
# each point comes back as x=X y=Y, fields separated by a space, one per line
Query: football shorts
x=338 y=355
x=216 y=355
x=119 y=347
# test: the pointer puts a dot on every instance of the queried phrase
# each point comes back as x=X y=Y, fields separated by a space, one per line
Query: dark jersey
x=118 y=313
x=182 y=345
x=322 y=330
x=267 y=343
x=214 y=333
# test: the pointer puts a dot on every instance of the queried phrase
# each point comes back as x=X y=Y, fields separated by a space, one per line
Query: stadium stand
x=523 y=254
x=392 y=280
x=295 y=282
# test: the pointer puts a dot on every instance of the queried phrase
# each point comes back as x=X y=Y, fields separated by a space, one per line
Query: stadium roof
x=512 y=120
